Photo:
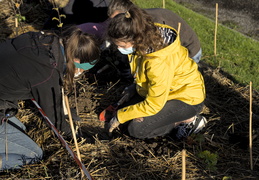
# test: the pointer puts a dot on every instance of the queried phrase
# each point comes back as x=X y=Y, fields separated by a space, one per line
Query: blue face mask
x=126 y=50
x=85 y=66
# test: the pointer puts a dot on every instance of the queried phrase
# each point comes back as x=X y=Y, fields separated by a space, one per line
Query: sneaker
x=186 y=129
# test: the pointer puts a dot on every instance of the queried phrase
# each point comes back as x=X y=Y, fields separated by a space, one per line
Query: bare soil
x=123 y=157
x=240 y=15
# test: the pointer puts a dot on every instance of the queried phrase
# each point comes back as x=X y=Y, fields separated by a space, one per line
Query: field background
x=219 y=152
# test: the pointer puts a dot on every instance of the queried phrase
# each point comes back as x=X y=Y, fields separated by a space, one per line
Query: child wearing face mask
x=38 y=65
x=168 y=92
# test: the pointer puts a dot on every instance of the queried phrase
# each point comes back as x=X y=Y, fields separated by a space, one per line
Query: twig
x=113 y=85
x=250 y=128
x=164 y=4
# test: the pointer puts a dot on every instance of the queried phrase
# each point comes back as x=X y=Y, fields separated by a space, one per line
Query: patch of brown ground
x=240 y=15
x=122 y=157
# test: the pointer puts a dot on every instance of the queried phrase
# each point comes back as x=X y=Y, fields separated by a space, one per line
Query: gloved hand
x=129 y=92
x=113 y=124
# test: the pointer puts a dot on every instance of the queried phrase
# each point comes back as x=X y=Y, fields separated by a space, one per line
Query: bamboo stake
x=6 y=141
x=216 y=29
x=164 y=4
x=179 y=28
x=16 y=26
x=250 y=128
x=183 y=164
x=73 y=130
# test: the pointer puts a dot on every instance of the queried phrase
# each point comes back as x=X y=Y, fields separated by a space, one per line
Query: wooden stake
x=179 y=28
x=183 y=164
x=16 y=26
x=250 y=128
x=216 y=29
x=164 y=4
x=73 y=130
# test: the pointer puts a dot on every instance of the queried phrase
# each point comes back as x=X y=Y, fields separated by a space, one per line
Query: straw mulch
x=123 y=157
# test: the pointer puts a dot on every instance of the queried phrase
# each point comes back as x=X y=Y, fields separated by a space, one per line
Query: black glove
x=129 y=92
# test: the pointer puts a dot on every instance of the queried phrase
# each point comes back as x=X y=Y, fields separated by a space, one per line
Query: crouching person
x=38 y=65
x=169 y=87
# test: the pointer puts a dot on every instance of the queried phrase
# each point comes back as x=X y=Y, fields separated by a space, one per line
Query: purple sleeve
x=96 y=29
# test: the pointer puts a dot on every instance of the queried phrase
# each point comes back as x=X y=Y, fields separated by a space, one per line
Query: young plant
x=210 y=159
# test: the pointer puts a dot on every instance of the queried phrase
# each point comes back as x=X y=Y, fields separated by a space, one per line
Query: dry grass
x=122 y=157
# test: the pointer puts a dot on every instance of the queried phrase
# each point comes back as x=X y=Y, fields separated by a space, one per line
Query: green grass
x=237 y=55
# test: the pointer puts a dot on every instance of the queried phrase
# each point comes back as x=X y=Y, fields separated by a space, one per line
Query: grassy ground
x=237 y=55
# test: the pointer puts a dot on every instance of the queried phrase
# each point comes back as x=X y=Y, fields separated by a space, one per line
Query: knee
x=136 y=132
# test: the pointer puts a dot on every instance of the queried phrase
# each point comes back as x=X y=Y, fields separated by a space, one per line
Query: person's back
x=188 y=37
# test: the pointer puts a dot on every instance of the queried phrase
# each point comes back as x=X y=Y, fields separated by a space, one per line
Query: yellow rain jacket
x=163 y=75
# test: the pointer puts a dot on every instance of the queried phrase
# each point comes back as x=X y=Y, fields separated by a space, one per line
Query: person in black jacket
x=38 y=65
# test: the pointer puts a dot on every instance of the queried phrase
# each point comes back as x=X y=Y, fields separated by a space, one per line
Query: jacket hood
x=173 y=44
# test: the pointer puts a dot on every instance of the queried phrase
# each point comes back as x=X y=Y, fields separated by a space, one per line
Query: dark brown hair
x=78 y=45
x=136 y=26
x=119 y=5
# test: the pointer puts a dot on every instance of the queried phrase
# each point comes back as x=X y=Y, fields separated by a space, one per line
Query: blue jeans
x=161 y=123
x=16 y=148
x=197 y=57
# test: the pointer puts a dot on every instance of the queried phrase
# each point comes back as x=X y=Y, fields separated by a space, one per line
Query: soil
x=220 y=151
x=242 y=16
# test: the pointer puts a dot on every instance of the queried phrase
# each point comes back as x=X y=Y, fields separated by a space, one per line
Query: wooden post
x=16 y=26
x=183 y=164
x=250 y=128
x=216 y=29
x=179 y=28
x=73 y=130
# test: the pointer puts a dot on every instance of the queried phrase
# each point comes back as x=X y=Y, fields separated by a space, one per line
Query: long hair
x=77 y=45
x=135 y=26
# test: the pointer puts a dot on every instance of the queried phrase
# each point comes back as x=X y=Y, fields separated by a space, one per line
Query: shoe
x=186 y=129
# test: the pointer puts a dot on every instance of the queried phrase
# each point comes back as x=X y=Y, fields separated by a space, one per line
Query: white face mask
x=78 y=72
x=126 y=50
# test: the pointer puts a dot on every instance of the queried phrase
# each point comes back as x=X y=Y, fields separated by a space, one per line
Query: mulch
x=220 y=150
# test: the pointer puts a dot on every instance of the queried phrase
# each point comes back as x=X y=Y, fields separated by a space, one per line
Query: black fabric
x=161 y=123
x=80 y=11
x=32 y=67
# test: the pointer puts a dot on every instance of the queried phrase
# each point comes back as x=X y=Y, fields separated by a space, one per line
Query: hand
x=138 y=119
x=129 y=92
x=113 y=124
